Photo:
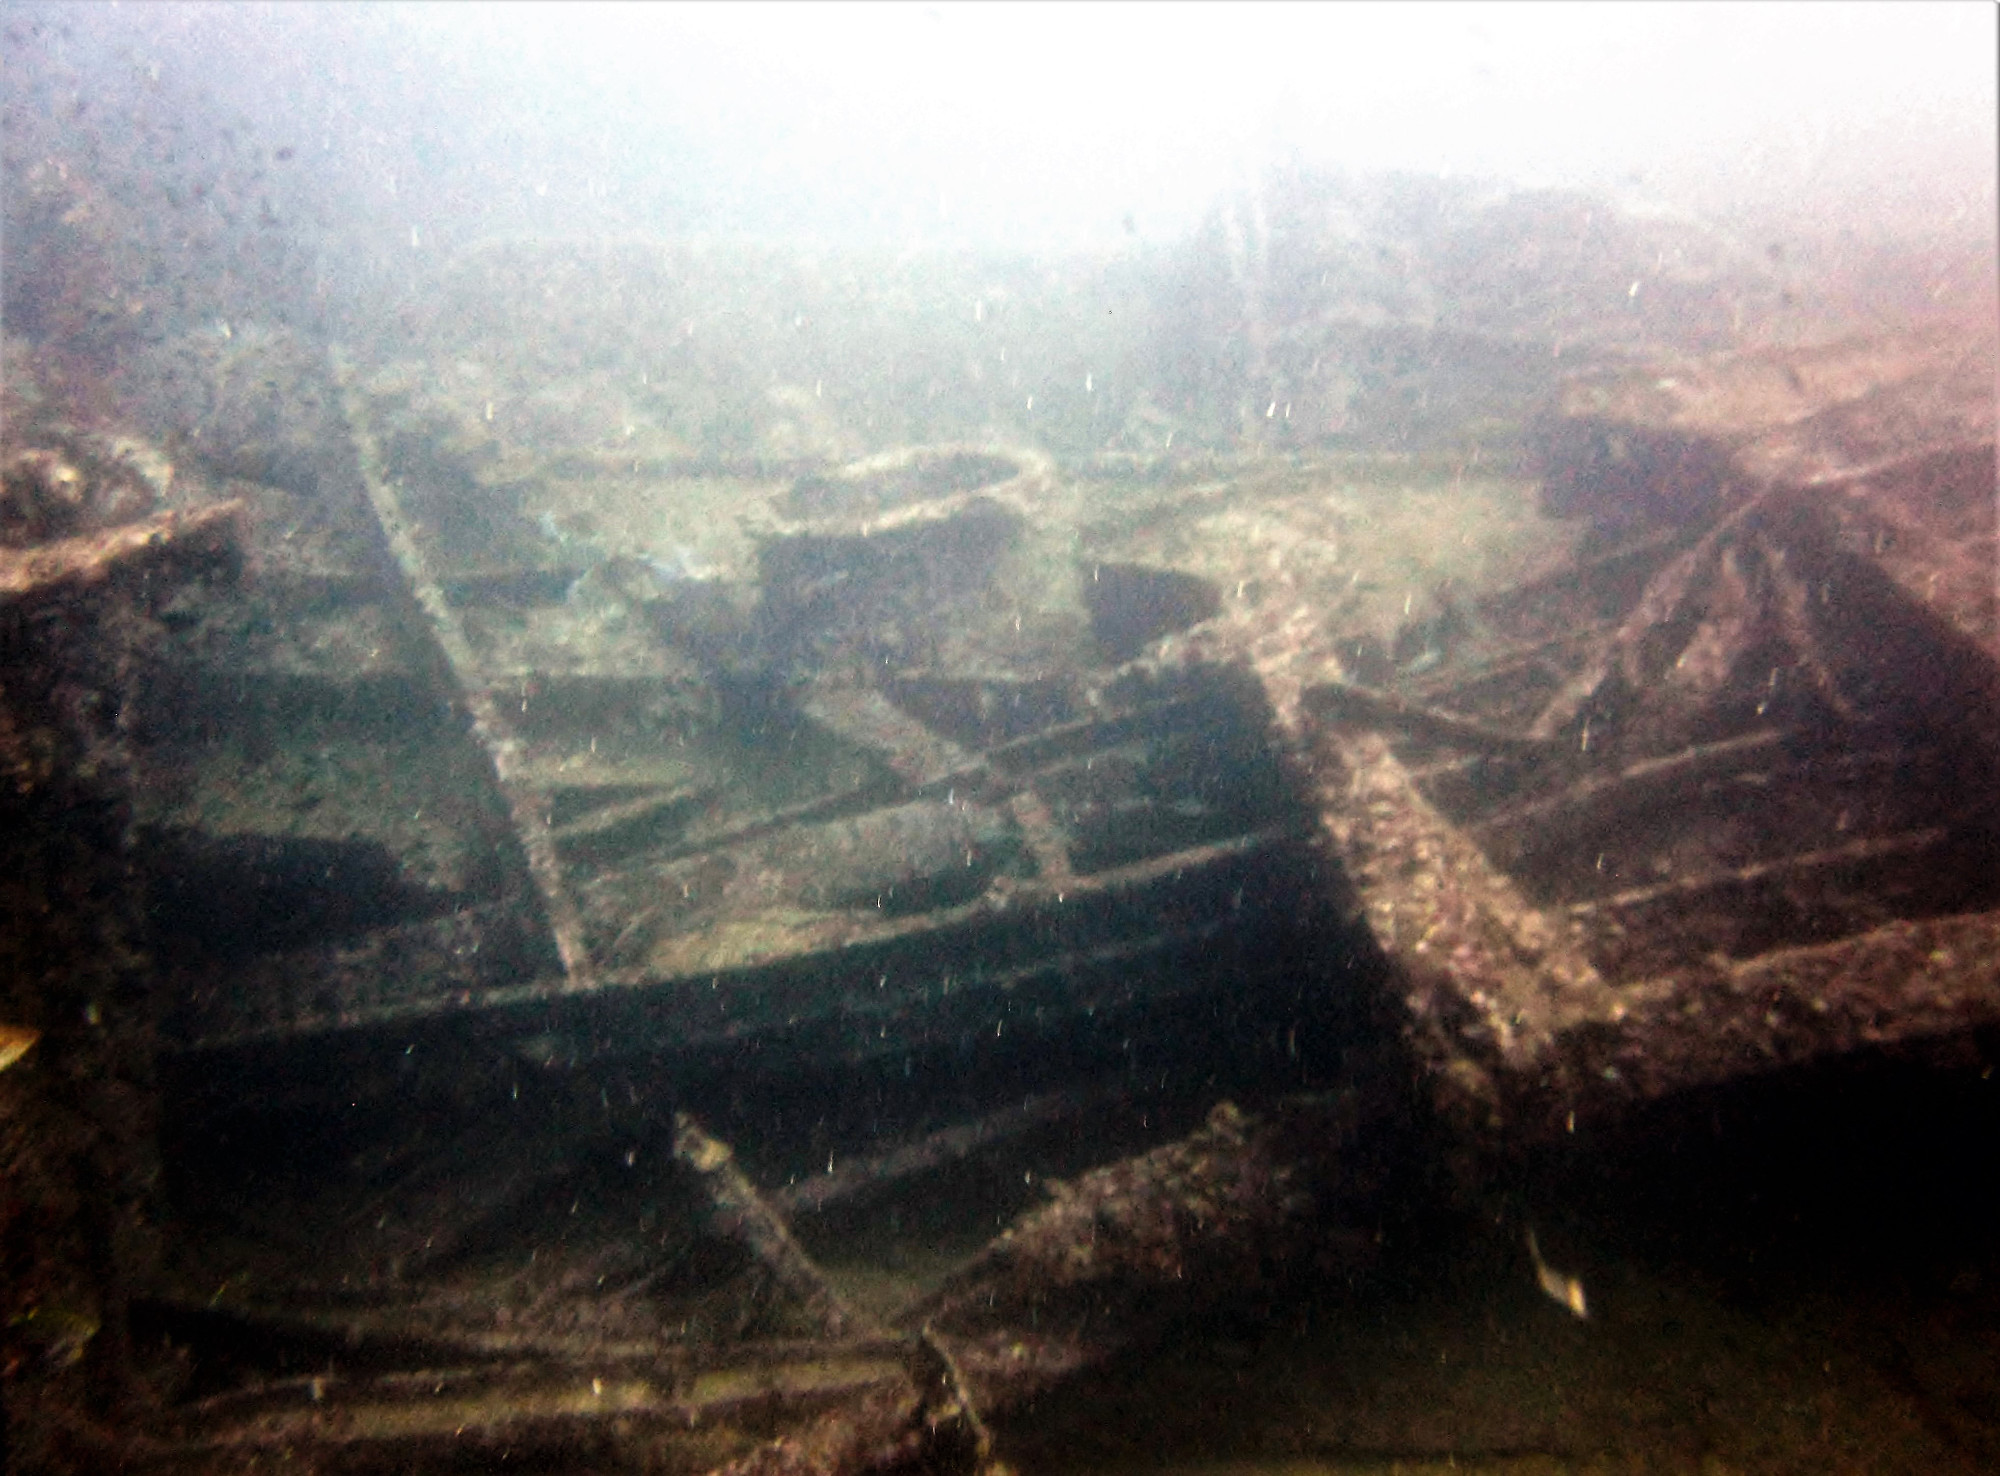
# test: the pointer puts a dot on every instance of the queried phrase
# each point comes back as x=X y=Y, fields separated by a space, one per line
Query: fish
x=618 y=580
x=680 y=569
x=1560 y=1287
x=15 y=1042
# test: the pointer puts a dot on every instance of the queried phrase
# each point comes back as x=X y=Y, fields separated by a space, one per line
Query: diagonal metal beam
x=527 y=807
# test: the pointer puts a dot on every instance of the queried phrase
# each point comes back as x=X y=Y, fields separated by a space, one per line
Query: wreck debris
x=1468 y=796
x=944 y=1373
x=1492 y=981
x=742 y=1213
x=1124 y=1248
x=1890 y=437
x=857 y=1181
x=901 y=767
x=1353 y=702
x=1754 y=764
x=855 y=1404
x=931 y=1423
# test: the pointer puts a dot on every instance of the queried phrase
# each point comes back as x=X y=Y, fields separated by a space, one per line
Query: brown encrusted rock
x=78 y=1163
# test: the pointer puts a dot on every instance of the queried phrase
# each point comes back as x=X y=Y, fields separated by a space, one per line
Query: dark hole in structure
x=1203 y=772
x=984 y=711
x=1622 y=475
x=234 y=896
x=1131 y=606
x=883 y=598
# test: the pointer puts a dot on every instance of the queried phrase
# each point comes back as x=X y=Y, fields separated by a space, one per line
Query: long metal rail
x=527 y=807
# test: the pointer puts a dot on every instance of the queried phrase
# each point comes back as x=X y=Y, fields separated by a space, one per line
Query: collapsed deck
x=552 y=796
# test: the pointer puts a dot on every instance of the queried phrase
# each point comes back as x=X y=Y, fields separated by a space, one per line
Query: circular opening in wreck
x=880 y=486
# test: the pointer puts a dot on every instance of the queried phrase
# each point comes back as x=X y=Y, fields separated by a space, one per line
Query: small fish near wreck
x=1561 y=1288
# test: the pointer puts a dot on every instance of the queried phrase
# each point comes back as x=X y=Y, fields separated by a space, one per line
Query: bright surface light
x=1032 y=124
x=1060 y=119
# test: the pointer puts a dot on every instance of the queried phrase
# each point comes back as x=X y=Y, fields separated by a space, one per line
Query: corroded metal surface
x=1719 y=800
x=604 y=744
x=1629 y=807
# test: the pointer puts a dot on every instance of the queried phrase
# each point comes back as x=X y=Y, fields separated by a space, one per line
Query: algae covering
x=1342 y=844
